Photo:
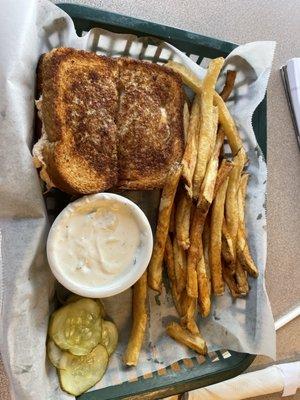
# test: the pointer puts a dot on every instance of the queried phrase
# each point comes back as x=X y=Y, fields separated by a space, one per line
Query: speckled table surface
x=242 y=21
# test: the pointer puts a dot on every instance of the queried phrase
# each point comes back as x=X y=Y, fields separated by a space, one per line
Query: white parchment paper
x=29 y=29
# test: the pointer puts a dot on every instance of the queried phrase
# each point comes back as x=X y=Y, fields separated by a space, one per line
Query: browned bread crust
x=79 y=106
x=108 y=122
x=150 y=123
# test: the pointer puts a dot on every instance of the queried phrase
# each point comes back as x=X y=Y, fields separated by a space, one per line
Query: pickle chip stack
x=80 y=343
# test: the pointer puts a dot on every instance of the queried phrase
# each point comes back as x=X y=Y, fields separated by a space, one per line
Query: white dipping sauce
x=96 y=241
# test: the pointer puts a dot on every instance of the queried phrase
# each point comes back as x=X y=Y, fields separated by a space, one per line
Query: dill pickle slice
x=77 y=327
x=75 y=297
x=83 y=372
x=54 y=353
x=109 y=336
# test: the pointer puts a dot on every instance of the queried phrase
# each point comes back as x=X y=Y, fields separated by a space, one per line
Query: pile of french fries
x=201 y=234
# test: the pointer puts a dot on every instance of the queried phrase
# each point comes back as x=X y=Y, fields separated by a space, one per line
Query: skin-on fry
x=242 y=198
x=194 y=342
x=204 y=277
x=223 y=172
x=207 y=126
x=180 y=266
x=229 y=127
x=172 y=219
x=231 y=203
x=203 y=288
x=188 y=309
x=205 y=200
x=169 y=262
x=227 y=247
x=243 y=251
x=229 y=84
x=190 y=154
x=182 y=220
x=208 y=185
x=139 y=323
x=206 y=246
x=188 y=77
x=215 y=121
x=217 y=217
x=226 y=120
x=165 y=207
x=230 y=282
x=186 y=121
x=244 y=256
x=195 y=251
x=241 y=279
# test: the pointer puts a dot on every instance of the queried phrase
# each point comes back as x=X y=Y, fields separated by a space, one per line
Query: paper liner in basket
x=31 y=28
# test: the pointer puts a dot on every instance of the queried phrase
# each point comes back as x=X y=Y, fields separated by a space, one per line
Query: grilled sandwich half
x=106 y=122
x=150 y=123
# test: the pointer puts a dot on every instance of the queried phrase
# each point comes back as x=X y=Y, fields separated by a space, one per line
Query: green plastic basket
x=221 y=365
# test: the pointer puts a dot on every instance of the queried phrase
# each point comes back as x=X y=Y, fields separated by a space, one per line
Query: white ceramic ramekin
x=126 y=278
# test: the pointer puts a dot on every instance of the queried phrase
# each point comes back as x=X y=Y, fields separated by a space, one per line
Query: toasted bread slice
x=78 y=148
x=107 y=122
x=149 y=123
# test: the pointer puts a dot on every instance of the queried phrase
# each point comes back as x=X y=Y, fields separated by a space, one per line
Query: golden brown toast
x=107 y=122
x=150 y=123
x=79 y=105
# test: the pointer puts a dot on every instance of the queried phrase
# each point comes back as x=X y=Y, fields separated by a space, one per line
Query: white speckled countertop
x=231 y=20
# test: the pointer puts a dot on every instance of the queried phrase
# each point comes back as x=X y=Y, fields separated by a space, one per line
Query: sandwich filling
x=37 y=151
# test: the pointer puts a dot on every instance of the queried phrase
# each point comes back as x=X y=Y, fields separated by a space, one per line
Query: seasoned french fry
x=230 y=282
x=207 y=126
x=188 y=309
x=191 y=325
x=244 y=255
x=215 y=121
x=187 y=76
x=186 y=121
x=206 y=246
x=182 y=220
x=191 y=80
x=208 y=185
x=241 y=279
x=229 y=84
x=231 y=203
x=227 y=247
x=223 y=172
x=169 y=262
x=203 y=288
x=205 y=200
x=172 y=219
x=194 y=251
x=186 y=302
x=139 y=323
x=203 y=273
x=229 y=127
x=194 y=342
x=242 y=198
x=180 y=266
x=195 y=254
x=217 y=217
x=243 y=251
x=190 y=154
x=165 y=207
